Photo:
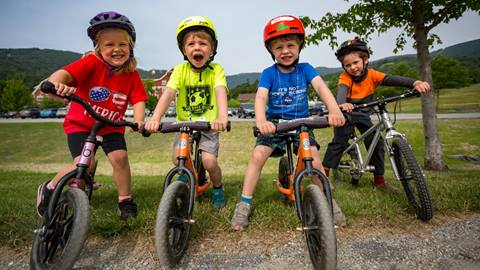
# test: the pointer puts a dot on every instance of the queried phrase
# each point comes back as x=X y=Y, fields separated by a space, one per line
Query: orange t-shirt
x=363 y=89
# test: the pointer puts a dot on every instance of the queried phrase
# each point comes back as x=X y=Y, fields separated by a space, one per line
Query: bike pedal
x=189 y=221
x=307 y=228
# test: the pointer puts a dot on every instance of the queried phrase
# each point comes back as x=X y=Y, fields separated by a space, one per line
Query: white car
x=129 y=113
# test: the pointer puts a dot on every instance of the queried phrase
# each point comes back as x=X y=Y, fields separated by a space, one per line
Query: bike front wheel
x=58 y=245
x=412 y=179
x=173 y=224
x=319 y=229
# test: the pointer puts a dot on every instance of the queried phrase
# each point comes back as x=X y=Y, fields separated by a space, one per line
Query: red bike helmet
x=110 y=19
x=283 y=25
x=352 y=45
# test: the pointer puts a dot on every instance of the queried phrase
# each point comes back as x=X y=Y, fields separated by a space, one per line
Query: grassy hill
x=33 y=64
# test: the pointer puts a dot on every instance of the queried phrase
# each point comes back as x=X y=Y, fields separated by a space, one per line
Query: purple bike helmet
x=110 y=19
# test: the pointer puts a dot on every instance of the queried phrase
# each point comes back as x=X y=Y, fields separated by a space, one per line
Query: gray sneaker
x=240 y=216
x=338 y=216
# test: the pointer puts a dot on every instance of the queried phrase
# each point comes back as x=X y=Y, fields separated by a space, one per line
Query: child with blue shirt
x=282 y=95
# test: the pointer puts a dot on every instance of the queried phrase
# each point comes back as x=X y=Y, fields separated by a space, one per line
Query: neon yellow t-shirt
x=196 y=100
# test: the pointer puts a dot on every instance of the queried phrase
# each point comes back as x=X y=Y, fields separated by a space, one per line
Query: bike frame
x=383 y=130
x=186 y=164
x=88 y=153
x=304 y=167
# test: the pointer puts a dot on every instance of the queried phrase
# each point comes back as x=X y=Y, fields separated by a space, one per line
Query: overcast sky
x=62 y=24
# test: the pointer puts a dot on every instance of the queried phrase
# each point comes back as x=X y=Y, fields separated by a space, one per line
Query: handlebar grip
x=48 y=88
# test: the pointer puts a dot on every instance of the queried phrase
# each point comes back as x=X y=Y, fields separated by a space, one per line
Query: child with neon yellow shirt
x=201 y=90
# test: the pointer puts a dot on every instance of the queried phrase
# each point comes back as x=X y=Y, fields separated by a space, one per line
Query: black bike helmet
x=352 y=45
x=110 y=19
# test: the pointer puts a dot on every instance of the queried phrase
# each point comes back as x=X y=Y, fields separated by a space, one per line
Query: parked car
x=12 y=114
x=30 y=113
x=317 y=108
x=246 y=110
x=62 y=112
x=48 y=113
x=129 y=112
x=171 y=112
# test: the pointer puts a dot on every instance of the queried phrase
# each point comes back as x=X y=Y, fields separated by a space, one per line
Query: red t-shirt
x=108 y=95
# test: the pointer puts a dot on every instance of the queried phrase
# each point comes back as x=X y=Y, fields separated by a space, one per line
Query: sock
x=378 y=180
x=124 y=197
x=246 y=199
x=50 y=185
x=327 y=171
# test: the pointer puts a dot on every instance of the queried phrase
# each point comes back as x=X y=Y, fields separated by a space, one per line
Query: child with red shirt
x=109 y=81
x=356 y=85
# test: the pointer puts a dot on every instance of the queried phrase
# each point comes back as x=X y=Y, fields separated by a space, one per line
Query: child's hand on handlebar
x=422 y=87
x=219 y=124
x=336 y=118
x=152 y=126
x=63 y=89
x=347 y=107
x=266 y=127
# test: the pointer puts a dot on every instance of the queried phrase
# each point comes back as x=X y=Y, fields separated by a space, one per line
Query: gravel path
x=445 y=243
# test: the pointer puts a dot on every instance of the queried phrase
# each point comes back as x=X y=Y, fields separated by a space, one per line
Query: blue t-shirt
x=287 y=92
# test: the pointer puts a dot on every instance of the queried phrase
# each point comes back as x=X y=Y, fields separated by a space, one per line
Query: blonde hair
x=289 y=37
x=131 y=64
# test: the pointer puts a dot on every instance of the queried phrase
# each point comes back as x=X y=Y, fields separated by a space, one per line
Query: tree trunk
x=433 y=148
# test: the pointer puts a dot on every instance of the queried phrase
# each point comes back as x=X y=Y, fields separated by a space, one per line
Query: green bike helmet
x=196 y=23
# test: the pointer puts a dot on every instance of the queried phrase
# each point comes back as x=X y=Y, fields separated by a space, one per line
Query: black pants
x=340 y=142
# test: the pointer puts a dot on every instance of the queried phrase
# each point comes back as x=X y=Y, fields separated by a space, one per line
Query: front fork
x=390 y=135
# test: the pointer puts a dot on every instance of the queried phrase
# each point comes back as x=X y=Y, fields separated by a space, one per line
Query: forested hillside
x=33 y=64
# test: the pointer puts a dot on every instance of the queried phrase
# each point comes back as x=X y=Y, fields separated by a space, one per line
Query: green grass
x=31 y=153
x=461 y=100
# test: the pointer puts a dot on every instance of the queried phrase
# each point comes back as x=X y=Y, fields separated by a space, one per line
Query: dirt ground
x=446 y=242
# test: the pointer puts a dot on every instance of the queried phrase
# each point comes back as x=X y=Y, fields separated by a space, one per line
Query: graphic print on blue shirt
x=287 y=92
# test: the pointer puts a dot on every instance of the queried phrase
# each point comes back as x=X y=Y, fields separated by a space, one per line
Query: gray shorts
x=209 y=142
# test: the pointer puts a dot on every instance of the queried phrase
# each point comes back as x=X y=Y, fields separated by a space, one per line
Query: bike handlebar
x=49 y=88
x=316 y=122
x=192 y=125
x=409 y=93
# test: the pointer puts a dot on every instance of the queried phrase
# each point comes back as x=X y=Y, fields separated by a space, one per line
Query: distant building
x=37 y=95
x=248 y=97
x=160 y=84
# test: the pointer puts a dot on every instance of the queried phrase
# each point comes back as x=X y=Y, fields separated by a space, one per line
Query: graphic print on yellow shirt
x=196 y=100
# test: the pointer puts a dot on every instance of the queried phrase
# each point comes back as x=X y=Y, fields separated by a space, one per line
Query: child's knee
x=210 y=162
x=118 y=158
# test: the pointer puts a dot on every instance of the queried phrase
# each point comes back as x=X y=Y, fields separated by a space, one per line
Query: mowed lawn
x=32 y=152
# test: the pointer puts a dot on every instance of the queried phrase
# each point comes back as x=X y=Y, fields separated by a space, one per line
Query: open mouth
x=198 y=57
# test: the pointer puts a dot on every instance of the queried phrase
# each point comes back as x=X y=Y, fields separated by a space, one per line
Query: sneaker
x=43 y=197
x=338 y=216
x=387 y=188
x=241 y=215
x=127 y=208
x=218 y=198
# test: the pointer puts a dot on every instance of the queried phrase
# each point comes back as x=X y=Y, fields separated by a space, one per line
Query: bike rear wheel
x=172 y=226
x=348 y=169
x=58 y=246
x=412 y=179
x=319 y=229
